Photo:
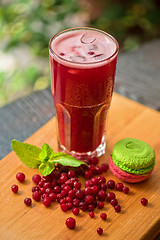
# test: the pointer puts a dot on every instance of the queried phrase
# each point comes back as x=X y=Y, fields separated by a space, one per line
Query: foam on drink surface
x=84 y=46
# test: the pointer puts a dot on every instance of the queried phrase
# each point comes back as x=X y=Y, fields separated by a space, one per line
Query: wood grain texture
x=17 y=221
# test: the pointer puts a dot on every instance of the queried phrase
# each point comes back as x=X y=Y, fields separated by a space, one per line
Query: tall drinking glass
x=83 y=63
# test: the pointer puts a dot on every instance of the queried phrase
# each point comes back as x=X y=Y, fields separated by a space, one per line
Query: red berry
x=94 y=161
x=91 y=214
x=103 y=216
x=101 y=179
x=20 y=176
x=68 y=199
x=99 y=231
x=114 y=202
x=88 y=174
x=14 y=188
x=91 y=53
x=48 y=190
x=88 y=191
x=95 y=181
x=36 y=196
x=46 y=201
x=119 y=186
x=95 y=190
x=63 y=179
x=57 y=189
x=111 y=184
x=75 y=211
x=52 y=196
x=117 y=208
x=67 y=188
x=69 y=205
x=89 y=199
x=98 y=170
x=44 y=195
x=62 y=201
x=59 y=197
x=76 y=202
x=35 y=188
x=91 y=207
x=71 y=174
x=71 y=223
x=109 y=196
x=103 y=186
x=100 y=205
x=144 y=201
x=77 y=185
x=101 y=195
x=28 y=201
x=83 y=206
x=64 y=207
x=104 y=167
x=36 y=178
x=80 y=194
x=125 y=190
x=47 y=185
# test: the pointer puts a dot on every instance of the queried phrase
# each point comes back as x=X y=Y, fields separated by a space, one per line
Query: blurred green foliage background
x=26 y=27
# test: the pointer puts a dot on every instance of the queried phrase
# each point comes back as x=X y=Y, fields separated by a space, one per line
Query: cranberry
x=28 y=201
x=76 y=202
x=64 y=193
x=64 y=207
x=42 y=190
x=95 y=190
x=111 y=184
x=71 y=174
x=95 y=181
x=114 y=202
x=20 y=176
x=144 y=201
x=88 y=174
x=88 y=191
x=52 y=196
x=69 y=182
x=69 y=205
x=68 y=199
x=71 y=223
x=91 y=214
x=98 y=170
x=47 y=185
x=36 y=178
x=110 y=196
x=35 y=188
x=63 y=179
x=83 y=206
x=100 y=205
x=88 y=183
x=103 y=216
x=46 y=201
x=101 y=195
x=103 y=186
x=101 y=179
x=14 y=188
x=80 y=194
x=89 y=199
x=41 y=183
x=36 y=196
x=48 y=190
x=75 y=211
x=59 y=197
x=119 y=186
x=91 y=207
x=62 y=201
x=47 y=178
x=99 y=231
x=92 y=168
x=77 y=185
x=67 y=188
x=57 y=189
x=125 y=190
x=104 y=167
x=45 y=195
x=117 y=208
x=72 y=193
x=94 y=160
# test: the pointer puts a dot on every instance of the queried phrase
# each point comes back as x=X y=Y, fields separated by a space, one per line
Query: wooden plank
x=17 y=221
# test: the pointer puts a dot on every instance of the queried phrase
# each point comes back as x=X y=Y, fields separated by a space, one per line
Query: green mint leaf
x=28 y=154
x=66 y=160
x=46 y=168
x=46 y=153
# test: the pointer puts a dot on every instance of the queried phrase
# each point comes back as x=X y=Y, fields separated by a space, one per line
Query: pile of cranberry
x=63 y=186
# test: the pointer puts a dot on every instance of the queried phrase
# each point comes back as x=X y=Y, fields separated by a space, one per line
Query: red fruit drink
x=83 y=64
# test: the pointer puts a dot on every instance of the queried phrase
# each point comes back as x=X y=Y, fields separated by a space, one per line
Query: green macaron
x=133 y=156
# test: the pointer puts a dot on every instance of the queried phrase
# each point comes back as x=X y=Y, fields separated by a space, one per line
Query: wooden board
x=17 y=221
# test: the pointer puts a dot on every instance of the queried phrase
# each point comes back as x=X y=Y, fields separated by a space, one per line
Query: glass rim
x=82 y=63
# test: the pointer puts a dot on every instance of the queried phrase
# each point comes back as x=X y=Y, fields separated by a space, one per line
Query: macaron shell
x=133 y=156
x=124 y=176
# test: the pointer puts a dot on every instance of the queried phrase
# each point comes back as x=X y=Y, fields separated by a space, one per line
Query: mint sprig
x=44 y=159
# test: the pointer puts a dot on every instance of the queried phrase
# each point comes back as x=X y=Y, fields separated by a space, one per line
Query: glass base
x=99 y=151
